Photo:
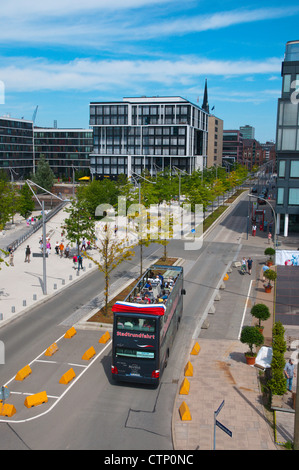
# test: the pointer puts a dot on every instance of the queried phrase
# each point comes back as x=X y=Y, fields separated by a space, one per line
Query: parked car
x=254 y=189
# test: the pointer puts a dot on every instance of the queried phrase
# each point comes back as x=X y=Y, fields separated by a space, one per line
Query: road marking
x=245 y=308
x=85 y=368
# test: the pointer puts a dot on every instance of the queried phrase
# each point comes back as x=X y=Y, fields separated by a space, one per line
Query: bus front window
x=127 y=322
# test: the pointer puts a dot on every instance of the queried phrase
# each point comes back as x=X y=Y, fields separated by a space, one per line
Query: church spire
x=205 y=104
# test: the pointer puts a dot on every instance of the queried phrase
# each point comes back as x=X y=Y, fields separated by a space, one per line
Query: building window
x=280 y=195
x=294 y=196
x=290 y=114
x=294 y=172
x=282 y=167
x=286 y=83
x=288 y=139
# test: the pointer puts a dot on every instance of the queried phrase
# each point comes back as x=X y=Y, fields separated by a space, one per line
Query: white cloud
x=86 y=74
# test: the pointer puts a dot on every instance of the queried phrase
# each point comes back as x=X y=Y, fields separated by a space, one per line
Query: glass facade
x=287 y=141
x=63 y=149
x=151 y=134
x=16 y=146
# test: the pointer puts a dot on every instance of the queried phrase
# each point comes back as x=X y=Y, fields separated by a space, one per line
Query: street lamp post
x=274 y=215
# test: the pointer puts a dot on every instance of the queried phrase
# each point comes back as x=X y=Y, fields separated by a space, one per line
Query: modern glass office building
x=16 y=147
x=64 y=149
x=152 y=134
x=287 y=143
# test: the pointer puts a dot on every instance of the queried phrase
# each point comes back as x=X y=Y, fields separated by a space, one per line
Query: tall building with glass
x=287 y=143
x=147 y=134
x=16 y=147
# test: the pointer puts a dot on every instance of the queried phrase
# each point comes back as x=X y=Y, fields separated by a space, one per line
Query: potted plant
x=250 y=335
x=271 y=276
x=269 y=252
x=262 y=313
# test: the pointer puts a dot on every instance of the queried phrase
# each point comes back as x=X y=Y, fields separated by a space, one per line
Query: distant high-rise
x=287 y=143
x=247 y=132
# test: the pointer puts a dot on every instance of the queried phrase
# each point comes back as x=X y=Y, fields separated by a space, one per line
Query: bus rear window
x=129 y=352
x=133 y=323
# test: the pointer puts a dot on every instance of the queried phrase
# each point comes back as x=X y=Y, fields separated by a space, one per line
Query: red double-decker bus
x=145 y=325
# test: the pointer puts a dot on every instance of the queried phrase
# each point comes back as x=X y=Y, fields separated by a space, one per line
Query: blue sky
x=61 y=55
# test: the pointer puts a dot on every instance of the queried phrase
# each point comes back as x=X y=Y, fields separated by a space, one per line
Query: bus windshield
x=133 y=323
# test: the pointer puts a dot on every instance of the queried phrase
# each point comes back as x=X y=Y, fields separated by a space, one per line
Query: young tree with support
x=112 y=253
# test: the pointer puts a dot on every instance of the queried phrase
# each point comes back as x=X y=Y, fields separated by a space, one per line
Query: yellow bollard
x=89 y=353
x=51 y=350
x=196 y=349
x=185 y=412
x=185 y=387
x=23 y=373
x=67 y=377
x=70 y=333
x=7 y=410
x=105 y=337
x=37 y=399
x=189 y=369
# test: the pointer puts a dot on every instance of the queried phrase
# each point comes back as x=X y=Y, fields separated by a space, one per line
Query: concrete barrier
x=185 y=387
x=51 y=350
x=185 y=412
x=88 y=354
x=188 y=369
x=23 y=373
x=7 y=410
x=105 y=337
x=35 y=400
x=195 y=349
x=70 y=333
x=67 y=377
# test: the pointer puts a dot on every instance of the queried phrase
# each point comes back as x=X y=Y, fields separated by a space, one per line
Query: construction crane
x=34 y=114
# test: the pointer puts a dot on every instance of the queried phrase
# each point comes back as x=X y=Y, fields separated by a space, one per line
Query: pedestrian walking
x=75 y=261
x=243 y=266
x=61 y=248
x=48 y=247
x=289 y=374
x=80 y=260
x=57 y=248
x=269 y=237
x=249 y=265
x=11 y=255
x=83 y=244
x=253 y=230
x=27 y=254
x=67 y=251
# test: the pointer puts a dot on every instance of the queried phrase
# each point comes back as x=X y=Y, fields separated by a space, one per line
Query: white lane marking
x=63 y=394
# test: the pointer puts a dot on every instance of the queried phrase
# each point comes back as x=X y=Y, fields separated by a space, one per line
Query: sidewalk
x=220 y=373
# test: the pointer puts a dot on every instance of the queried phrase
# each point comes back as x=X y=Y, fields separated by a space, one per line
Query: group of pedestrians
x=246 y=265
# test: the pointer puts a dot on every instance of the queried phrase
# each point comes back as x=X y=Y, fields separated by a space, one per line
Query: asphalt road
x=96 y=413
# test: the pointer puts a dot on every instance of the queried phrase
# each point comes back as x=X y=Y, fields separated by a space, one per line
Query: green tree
x=7 y=202
x=261 y=312
x=251 y=336
x=112 y=253
x=97 y=192
x=79 y=224
x=44 y=175
x=25 y=204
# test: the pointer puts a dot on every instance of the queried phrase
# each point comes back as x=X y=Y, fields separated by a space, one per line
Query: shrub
x=269 y=252
x=261 y=312
x=277 y=384
x=250 y=335
x=270 y=275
